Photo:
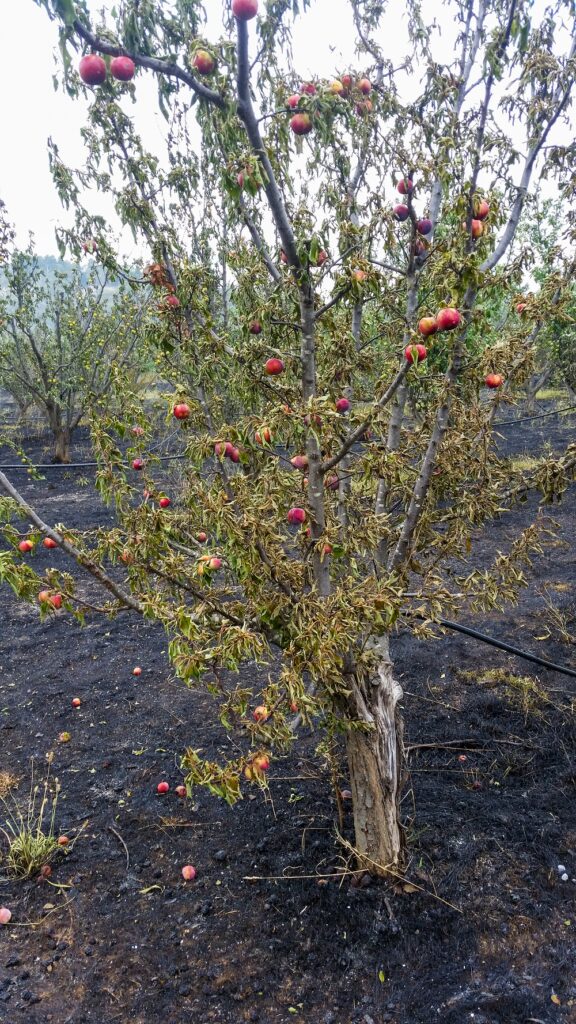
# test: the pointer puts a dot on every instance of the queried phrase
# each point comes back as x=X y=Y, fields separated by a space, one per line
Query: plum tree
x=314 y=577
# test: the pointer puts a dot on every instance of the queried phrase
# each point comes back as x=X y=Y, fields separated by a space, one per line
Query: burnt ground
x=116 y=935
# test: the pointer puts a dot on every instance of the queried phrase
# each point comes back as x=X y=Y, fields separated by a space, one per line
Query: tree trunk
x=61 y=445
x=537 y=381
x=375 y=762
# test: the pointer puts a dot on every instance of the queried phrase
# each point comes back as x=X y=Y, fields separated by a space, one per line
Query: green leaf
x=381 y=976
x=66 y=10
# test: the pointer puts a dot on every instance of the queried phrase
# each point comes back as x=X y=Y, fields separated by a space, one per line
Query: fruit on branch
x=172 y=301
x=481 y=209
x=244 y=10
x=296 y=516
x=293 y=101
x=90 y=246
x=365 y=86
x=25 y=546
x=49 y=543
x=162 y=787
x=331 y=482
x=476 y=228
x=520 y=307
x=201 y=537
x=273 y=367
x=92 y=69
x=359 y=275
x=364 y=107
x=55 y=600
x=401 y=212
x=416 y=353
x=138 y=464
x=309 y=88
x=204 y=63
x=427 y=326
x=342 y=405
x=255 y=327
x=424 y=225
x=301 y=124
x=122 y=68
x=494 y=380
x=405 y=186
x=126 y=557
x=263 y=436
x=181 y=411
x=260 y=714
x=164 y=502
x=188 y=873
x=321 y=258
x=76 y=702
x=336 y=87
x=299 y=462
x=448 y=319
x=347 y=81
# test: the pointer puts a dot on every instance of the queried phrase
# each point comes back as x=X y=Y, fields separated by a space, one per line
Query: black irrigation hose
x=458 y=628
x=536 y=416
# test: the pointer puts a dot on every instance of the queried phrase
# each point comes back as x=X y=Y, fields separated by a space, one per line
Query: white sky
x=31 y=110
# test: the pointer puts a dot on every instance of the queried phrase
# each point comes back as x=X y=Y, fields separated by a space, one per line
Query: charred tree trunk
x=62 y=445
x=375 y=755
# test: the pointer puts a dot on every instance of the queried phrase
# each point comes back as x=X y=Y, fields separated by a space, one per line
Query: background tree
x=62 y=338
x=310 y=564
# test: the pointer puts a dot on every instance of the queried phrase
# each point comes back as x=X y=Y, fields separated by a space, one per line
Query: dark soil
x=485 y=934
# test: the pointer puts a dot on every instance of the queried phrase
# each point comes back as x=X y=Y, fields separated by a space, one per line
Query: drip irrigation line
x=501 y=645
x=81 y=465
x=536 y=416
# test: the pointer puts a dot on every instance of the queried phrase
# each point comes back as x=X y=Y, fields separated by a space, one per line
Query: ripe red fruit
x=327 y=549
x=25 y=546
x=415 y=353
x=448 y=319
x=427 y=326
x=201 y=537
x=293 y=101
x=122 y=68
x=331 y=482
x=494 y=380
x=476 y=228
x=424 y=226
x=244 y=10
x=76 y=702
x=126 y=557
x=255 y=327
x=92 y=69
x=365 y=86
x=364 y=107
x=173 y=301
x=5 y=915
x=261 y=763
x=260 y=714
x=309 y=88
x=180 y=791
x=263 y=436
x=181 y=411
x=137 y=431
x=233 y=454
x=342 y=405
x=137 y=671
x=521 y=306
x=55 y=600
x=204 y=63
x=296 y=516
x=138 y=464
x=301 y=124
x=49 y=543
x=215 y=563
x=359 y=276
x=164 y=502
x=401 y=212
x=299 y=462
x=321 y=258
x=346 y=81
x=273 y=367
x=162 y=787
x=405 y=186
x=188 y=873
x=63 y=841
x=481 y=209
